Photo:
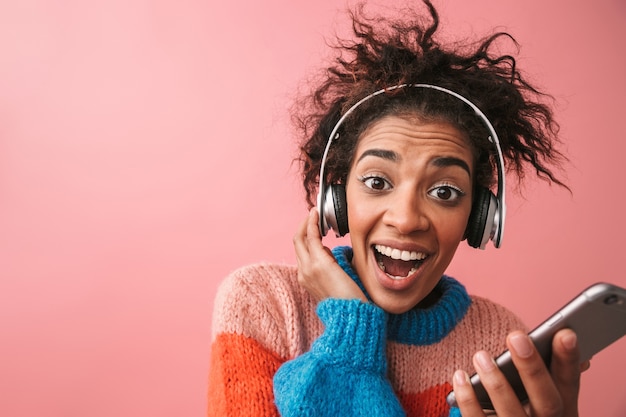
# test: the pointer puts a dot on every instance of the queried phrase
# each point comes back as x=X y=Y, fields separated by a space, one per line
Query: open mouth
x=396 y=263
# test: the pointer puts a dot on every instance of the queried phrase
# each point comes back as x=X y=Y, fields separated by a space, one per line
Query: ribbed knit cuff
x=454 y=412
x=354 y=334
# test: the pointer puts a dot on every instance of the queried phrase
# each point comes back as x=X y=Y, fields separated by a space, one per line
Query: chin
x=393 y=304
x=396 y=310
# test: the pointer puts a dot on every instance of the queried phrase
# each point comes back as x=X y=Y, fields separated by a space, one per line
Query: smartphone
x=597 y=315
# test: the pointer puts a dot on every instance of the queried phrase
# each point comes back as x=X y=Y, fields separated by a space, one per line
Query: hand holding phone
x=597 y=315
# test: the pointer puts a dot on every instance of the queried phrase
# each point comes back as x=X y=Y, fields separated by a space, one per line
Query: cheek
x=363 y=213
x=456 y=223
x=360 y=219
x=356 y=213
x=450 y=223
x=452 y=227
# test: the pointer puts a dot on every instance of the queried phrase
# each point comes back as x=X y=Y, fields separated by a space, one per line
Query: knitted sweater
x=276 y=353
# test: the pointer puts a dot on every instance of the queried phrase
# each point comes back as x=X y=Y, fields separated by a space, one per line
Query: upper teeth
x=404 y=255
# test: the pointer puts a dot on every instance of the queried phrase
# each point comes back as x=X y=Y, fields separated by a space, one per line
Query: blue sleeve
x=454 y=412
x=344 y=373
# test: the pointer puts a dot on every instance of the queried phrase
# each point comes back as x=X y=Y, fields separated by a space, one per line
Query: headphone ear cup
x=482 y=218
x=336 y=209
x=341 y=208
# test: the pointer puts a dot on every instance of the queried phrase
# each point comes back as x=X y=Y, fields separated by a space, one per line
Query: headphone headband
x=497 y=230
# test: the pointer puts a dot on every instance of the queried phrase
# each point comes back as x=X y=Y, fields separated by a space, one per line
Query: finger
x=316 y=248
x=543 y=395
x=585 y=366
x=306 y=260
x=300 y=239
x=465 y=395
x=306 y=266
x=301 y=231
x=503 y=398
x=566 y=368
x=312 y=226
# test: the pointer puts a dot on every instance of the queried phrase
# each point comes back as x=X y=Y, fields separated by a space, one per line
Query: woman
x=402 y=142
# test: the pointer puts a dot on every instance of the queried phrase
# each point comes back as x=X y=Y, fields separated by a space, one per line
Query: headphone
x=486 y=220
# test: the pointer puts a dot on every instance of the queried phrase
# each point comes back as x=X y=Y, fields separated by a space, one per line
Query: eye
x=446 y=192
x=376 y=183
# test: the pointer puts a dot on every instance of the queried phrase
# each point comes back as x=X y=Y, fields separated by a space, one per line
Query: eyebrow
x=380 y=153
x=446 y=161
x=441 y=162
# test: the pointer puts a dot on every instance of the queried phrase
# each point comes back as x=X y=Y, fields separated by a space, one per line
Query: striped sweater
x=275 y=352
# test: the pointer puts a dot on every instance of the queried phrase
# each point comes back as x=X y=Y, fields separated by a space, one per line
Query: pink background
x=145 y=153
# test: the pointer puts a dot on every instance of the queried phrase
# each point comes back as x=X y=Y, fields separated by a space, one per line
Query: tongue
x=396 y=267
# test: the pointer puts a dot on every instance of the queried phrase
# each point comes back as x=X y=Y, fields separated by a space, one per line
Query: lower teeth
x=394 y=277
x=407 y=275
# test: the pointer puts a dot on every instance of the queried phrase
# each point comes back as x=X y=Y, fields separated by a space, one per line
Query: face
x=409 y=194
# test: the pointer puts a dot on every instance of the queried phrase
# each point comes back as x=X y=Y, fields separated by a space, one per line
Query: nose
x=407 y=212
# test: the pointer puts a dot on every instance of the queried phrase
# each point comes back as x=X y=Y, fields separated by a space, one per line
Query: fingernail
x=569 y=340
x=484 y=361
x=460 y=378
x=522 y=345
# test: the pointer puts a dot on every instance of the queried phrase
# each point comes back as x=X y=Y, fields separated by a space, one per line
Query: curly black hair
x=387 y=52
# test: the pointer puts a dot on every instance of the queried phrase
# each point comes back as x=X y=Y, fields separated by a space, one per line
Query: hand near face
x=318 y=271
x=552 y=392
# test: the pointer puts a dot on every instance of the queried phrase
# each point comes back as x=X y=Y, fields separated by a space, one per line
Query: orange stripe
x=240 y=378
x=429 y=403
